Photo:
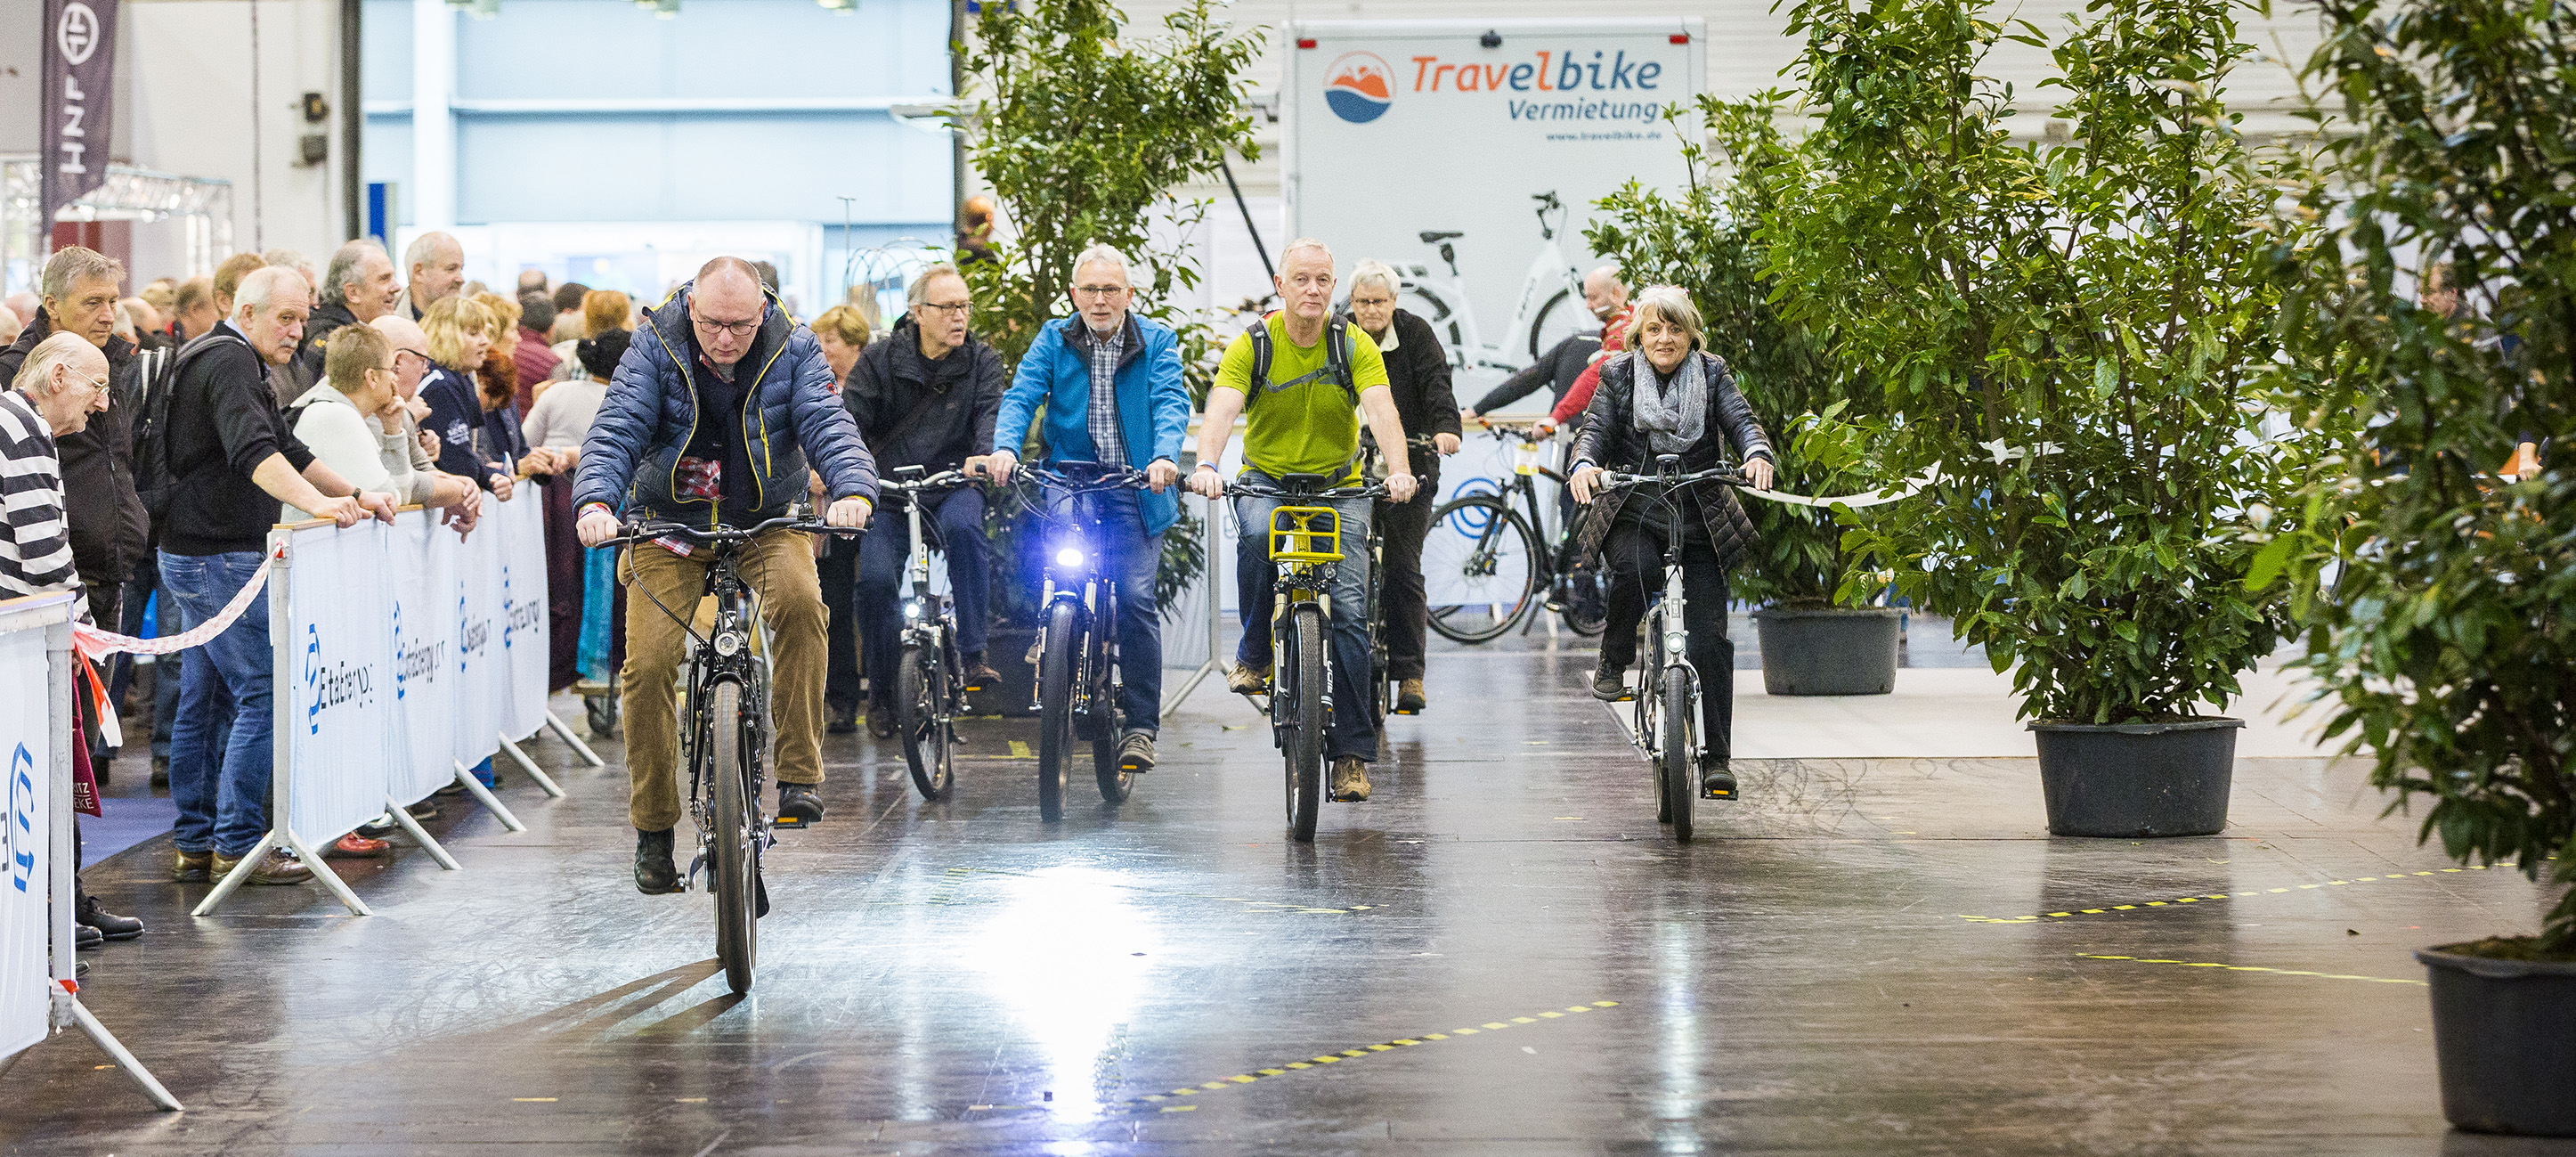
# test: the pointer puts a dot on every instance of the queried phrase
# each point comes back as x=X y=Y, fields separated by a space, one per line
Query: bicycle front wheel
x=922 y=710
x=1055 y=709
x=1305 y=738
x=1483 y=557
x=1680 y=771
x=730 y=864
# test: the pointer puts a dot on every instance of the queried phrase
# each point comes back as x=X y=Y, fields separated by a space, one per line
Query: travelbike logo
x=19 y=838
x=328 y=685
x=1359 y=87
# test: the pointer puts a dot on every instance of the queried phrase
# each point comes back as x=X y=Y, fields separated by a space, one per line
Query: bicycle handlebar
x=944 y=480
x=1256 y=490
x=635 y=532
x=1127 y=478
x=1612 y=479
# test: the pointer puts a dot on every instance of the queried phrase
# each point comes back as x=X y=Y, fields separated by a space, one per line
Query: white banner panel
x=525 y=632
x=421 y=561
x=25 y=886
x=342 y=716
x=482 y=672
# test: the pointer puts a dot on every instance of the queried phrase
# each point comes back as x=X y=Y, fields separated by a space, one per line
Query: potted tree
x=2437 y=569
x=2071 y=332
x=1704 y=241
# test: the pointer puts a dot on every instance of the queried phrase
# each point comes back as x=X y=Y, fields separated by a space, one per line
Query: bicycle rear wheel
x=730 y=865
x=1055 y=710
x=922 y=709
x=1305 y=745
x=1680 y=771
x=1479 y=547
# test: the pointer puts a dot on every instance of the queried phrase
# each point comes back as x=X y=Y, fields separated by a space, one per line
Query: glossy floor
x=1499 y=953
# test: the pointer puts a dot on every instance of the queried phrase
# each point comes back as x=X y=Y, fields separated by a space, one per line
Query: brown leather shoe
x=357 y=847
x=277 y=867
x=191 y=867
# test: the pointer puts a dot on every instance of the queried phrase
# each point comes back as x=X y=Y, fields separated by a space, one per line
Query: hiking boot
x=189 y=867
x=881 y=718
x=1350 y=780
x=279 y=866
x=980 y=675
x=108 y=925
x=1610 y=684
x=1246 y=679
x=799 y=804
x=1716 y=780
x=1136 y=752
x=655 y=875
x=1408 y=698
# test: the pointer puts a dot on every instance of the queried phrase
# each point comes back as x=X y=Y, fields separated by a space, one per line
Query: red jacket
x=535 y=362
x=1614 y=339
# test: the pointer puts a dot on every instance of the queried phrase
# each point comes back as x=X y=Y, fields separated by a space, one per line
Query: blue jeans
x=1132 y=559
x=219 y=743
x=1350 y=732
x=954 y=524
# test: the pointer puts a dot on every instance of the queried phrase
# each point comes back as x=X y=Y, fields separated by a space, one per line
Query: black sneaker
x=109 y=925
x=1609 y=684
x=881 y=719
x=655 y=875
x=85 y=937
x=799 y=805
x=844 y=721
x=1716 y=780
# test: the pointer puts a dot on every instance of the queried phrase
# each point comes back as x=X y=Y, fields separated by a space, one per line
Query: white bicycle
x=1550 y=308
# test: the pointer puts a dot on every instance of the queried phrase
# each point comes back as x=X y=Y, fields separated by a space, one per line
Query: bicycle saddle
x=1433 y=238
x=1306 y=483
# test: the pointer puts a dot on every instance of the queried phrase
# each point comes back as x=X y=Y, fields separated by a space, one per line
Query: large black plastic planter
x=2504 y=1032
x=2128 y=780
x=1827 y=652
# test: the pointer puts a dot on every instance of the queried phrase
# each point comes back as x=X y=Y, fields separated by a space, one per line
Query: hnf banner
x=79 y=91
x=25 y=886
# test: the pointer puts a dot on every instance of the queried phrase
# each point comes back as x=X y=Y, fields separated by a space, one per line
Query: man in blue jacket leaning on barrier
x=1111 y=383
x=709 y=421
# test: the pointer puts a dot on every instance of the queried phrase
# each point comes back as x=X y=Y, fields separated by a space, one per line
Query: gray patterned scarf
x=1672 y=414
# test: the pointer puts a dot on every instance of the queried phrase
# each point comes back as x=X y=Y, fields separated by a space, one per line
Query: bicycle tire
x=1538 y=331
x=1649 y=713
x=1583 y=621
x=1305 y=746
x=1681 y=781
x=922 y=708
x=1490 y=557
x=1055 y=710
x=1116 y=782
x=729 y=859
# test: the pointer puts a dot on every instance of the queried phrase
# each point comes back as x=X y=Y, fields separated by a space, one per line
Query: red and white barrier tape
x=95 y=644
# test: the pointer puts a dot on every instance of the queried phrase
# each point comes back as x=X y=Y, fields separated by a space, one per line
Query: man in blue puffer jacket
x=710 y=420
x=1111 y=383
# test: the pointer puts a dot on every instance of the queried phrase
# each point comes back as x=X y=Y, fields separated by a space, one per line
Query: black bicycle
x=930 y=677
x=1078 y=677
x=725 y=730
x=1493 y=551
x=1306 y=548
x=1667 y=699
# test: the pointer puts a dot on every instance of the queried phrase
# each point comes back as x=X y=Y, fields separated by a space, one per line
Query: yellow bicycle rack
x=1306 y=534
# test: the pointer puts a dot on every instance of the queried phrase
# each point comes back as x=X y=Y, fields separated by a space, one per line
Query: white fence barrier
x=401 y=641
x=38 y=992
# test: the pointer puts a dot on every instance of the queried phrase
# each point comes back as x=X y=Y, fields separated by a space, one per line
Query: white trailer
x=1467 y=155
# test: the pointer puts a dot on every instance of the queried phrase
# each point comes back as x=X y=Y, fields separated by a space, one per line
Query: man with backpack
x=216 y=458
x=1303 y=378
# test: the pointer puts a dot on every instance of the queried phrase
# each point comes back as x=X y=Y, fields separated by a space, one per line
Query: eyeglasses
x=1371 y=302
x=1100 y=292
x=400 y=354
x=734 y=328
x=957 y=308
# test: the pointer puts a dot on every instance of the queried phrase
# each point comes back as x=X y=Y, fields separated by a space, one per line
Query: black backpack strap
x=1260 y=335
x=1337 y=360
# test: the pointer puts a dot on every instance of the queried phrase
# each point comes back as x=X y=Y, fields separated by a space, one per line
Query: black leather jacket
x=1609 y=438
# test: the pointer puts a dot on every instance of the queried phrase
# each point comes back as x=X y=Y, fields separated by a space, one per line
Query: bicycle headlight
x=728 y=643
x=1673 y=642
x=1068 y=556
x=912 y=610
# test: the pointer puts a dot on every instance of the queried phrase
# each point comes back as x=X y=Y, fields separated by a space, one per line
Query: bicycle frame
x=728 y=655
x=1076 y=573
x=926 y=620
x=1549 y=274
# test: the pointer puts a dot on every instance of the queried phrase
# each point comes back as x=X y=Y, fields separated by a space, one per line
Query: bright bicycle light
x=1068 y=557
x=912 y=610
x=1673 y=642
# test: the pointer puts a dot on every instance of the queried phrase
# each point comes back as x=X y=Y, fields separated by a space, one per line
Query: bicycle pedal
x=789 y=822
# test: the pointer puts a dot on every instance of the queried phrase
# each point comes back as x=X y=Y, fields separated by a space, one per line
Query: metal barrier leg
x=484 y=796
x=1215 y=664
x=420 y=835
x=564 y=732
x=115 y=1049
x=545 y=783
x=330 y=879
x=237 y=877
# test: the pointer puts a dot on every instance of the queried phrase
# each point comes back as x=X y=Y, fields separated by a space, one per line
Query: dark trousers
x=1399 y=592
x=1635 y=555
x=138 y=595
x=954 y=525
x=838 y=572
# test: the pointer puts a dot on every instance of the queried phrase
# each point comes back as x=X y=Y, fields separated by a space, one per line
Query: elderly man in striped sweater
x=63 y=381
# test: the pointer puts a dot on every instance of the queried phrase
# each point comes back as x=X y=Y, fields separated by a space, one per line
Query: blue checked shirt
x=1108 y=442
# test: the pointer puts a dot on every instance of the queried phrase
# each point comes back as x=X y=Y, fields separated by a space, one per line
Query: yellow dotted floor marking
x=2178 y=901
x=2251 y=968
x=1360 y=1053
